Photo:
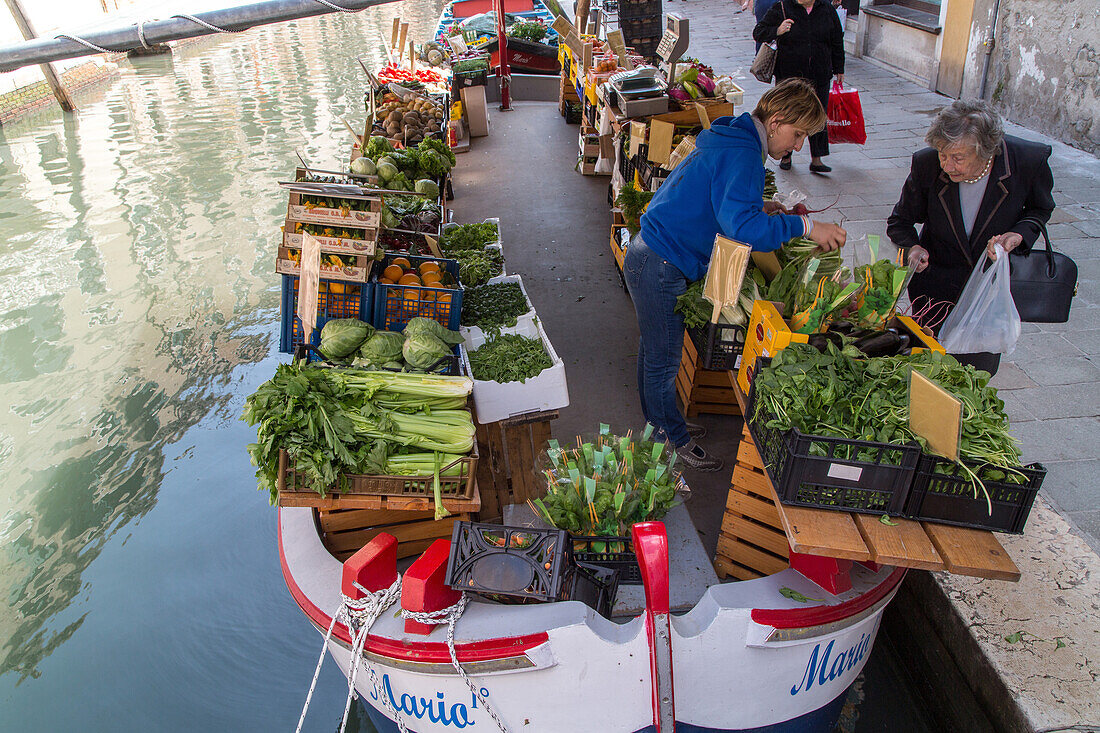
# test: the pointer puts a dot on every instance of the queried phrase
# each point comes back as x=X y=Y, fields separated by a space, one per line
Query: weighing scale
x=673 y=45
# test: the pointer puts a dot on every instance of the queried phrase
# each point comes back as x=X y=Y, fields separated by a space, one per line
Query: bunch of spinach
x=493 y=305
x=462 y=237
x=603 y=486
x=881 y=283
x=475 y=267
x=509 y=358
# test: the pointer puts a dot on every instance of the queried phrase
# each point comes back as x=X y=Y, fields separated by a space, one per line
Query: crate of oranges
x=334 y=300
x=408 y=286
x=352 y=268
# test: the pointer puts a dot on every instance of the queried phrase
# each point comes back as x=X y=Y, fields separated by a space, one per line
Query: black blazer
x=814 y=46
x=1020 y=184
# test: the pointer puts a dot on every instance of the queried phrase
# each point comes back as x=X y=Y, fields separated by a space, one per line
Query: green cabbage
x=340 y=337
x=427 y=187
x=422 y=350
x=363 y=166
x=432 y=328
x=381 y=348
x=386 y=169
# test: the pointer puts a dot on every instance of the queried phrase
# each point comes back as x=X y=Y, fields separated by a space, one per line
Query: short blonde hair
x=795 y=102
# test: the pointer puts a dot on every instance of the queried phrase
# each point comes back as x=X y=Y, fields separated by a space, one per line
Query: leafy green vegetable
x=881 y=284
x=419 y=325
x=796 y=596
x=885 y=519
x=603 y=486
x=341 y=337
x=475 y=267
x=462 y=237
x=633 y=201
x=493 y=305
x=422 y=350
x=509 y=358
x=380 y=349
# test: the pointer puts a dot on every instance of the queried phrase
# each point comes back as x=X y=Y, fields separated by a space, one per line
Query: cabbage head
x=381 y=348
x=422 y=350
x=427 y=187
x=431 y=327
x=340 y=337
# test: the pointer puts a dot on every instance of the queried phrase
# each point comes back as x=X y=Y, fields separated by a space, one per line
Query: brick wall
x=26 y=99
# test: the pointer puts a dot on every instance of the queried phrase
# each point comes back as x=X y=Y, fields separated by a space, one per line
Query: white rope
x=327 y=4
x=141 y=36
x=208 y=26
x=450 y=616
x=358 y=616
x=81 y=41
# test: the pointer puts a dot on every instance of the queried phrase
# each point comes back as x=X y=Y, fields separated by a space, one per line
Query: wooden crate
x=333 y=502
x=752 y=542
x=704 y=390
x=618 y=252
x=345 y=531
x=506 y=468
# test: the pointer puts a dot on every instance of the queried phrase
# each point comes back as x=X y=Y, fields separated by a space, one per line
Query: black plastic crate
x=396 y=305
x=339 y=300
x=524 y=565
x=943 y=492
x=574 y=113
x=719 y=345
x=832 y=473
x=648 y=171
x=640 y=28
x=612 y=553
x=640 y=9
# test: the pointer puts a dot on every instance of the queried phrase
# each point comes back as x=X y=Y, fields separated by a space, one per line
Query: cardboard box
x=359 y=273
x=363 y=245
x=369 y=216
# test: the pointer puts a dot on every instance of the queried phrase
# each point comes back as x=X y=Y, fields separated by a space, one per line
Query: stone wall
x=27 y=98
x=1045 y=69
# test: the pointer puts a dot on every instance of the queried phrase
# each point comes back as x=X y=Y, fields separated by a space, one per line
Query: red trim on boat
x=792 y=618
x=420 y=651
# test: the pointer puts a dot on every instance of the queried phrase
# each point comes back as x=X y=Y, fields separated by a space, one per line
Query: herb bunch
x=493 y=305
x=509 y=358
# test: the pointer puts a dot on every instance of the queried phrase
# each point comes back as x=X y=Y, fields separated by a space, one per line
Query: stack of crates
x=348 y=234
x=642 y=24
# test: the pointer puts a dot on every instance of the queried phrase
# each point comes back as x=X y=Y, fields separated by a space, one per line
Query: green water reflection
x=139 y=306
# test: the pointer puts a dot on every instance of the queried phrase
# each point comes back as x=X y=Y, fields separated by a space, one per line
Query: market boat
x=753 y=655
x=524 y=57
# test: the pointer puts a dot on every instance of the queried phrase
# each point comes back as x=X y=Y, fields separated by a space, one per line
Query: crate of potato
x=408 y=286
x=409 y=121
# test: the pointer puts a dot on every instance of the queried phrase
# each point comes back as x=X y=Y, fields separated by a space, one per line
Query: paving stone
x=1074 y=485
x=1054 y=371
x=1081 y=316
x=1015 y=409
x=1089 y=227
x=1010 y=376
x=1088 y=523
x=1066 y=439
x=1041 y=345
x=1080 y=249
x=1073 y=400
x=1087 y=341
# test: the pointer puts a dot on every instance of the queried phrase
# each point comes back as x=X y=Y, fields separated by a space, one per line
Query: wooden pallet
x=506 y=469
x=704 y=390
x=346 y=531
x=751 y=542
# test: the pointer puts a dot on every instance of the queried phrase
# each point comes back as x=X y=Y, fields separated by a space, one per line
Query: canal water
x=139 y=581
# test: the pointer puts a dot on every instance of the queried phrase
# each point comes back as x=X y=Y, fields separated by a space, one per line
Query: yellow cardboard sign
x=935 y=415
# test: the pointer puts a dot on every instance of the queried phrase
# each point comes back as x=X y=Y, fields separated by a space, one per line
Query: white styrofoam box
x=472 y=332
x=547 y=390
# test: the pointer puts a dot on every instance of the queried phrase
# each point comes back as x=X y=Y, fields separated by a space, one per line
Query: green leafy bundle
x=475 y=267
x=334 y=422
x=835 y=393
x=509 y=358
x=493 y=305
x=602 y=487
x=632 y=202
x=881 y=283
x=463 y=237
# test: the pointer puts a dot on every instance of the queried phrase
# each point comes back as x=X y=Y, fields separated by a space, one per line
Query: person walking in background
x=810 y=45
x=974 y=188
x=760 y=9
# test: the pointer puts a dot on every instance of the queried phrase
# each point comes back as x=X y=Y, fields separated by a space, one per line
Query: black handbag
x=763 y=66
x=1043 y=282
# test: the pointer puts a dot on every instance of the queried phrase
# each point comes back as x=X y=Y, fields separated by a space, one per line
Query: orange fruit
x=322 y=287
x=412 y=295
x=443 y=297
x=393 y=272
x=386 y=280
x=427 y=296
x=408 y=279
x=426 y=267
x=337 y=288
x=401 y=262
x=431 y=279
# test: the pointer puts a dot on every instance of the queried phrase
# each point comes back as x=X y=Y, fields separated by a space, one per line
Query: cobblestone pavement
x=1051 y=383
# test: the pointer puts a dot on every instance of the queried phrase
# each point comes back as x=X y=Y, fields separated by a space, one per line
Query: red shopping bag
x=845 y=123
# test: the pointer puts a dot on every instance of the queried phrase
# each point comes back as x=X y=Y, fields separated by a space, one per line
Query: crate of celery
x=515 y=373
x=500 y=303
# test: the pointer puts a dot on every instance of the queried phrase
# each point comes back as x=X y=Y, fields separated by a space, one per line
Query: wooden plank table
x=864 y=538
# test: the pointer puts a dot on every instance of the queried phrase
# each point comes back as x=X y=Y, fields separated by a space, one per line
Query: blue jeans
x=654 y=285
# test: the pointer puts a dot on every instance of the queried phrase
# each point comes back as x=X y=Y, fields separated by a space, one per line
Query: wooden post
x=582 y=16
x=25 y=27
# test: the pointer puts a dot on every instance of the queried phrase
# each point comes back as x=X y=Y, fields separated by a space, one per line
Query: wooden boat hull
x=746 y=657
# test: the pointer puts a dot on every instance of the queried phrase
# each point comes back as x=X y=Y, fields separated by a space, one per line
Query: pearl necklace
x=983 y=174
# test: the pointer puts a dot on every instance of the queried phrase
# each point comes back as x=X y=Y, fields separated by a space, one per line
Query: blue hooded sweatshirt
x=718 y=189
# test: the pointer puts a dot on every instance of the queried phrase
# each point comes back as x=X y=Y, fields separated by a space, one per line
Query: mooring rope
x=358 y=616
x=450 y=616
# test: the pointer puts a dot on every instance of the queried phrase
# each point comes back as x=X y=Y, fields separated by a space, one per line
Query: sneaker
x=693 y=456
x=695 y=431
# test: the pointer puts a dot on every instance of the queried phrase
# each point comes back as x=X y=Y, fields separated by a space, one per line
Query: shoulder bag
x=763 y=66
x=1043 y=282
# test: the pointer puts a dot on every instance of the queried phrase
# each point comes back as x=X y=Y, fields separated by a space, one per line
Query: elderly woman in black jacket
x=974 y=188
x=809 y=44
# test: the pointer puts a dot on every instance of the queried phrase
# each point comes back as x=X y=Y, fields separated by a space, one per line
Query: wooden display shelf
x=844 y=536
x=704 y=390
x=506 y=469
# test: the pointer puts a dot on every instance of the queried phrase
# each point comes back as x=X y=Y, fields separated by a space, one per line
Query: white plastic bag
x=985 y=318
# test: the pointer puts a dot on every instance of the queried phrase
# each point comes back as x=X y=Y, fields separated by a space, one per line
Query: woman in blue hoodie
x=718 y=189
